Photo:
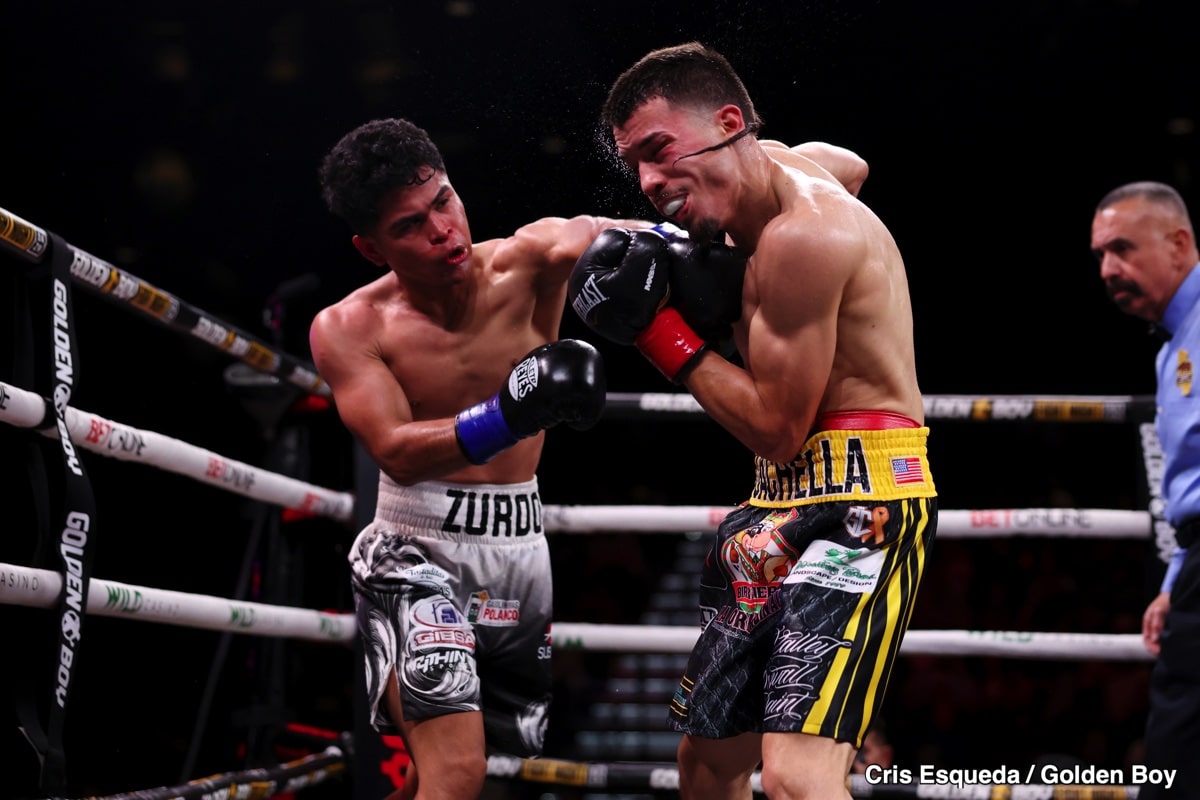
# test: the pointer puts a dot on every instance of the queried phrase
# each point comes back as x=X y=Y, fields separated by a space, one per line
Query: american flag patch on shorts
x=907 y=469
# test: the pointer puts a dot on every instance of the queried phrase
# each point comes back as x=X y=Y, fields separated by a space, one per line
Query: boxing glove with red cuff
x=706 y=283
x=619 y=287
x=706 y=286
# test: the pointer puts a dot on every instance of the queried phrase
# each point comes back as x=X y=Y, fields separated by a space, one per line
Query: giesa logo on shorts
x=493 y=514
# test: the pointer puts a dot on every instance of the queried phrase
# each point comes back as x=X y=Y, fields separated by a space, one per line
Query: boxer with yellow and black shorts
x=809 y=586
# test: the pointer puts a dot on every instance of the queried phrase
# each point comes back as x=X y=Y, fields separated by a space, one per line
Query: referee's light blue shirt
x=1178 y=402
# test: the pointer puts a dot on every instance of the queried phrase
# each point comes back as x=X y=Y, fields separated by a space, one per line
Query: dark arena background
x=180 y=142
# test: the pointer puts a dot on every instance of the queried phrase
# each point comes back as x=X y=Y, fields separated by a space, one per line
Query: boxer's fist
x=619 y=287
x=561 y=381
x=620 y=282
x=706 y=286
x=558 y=382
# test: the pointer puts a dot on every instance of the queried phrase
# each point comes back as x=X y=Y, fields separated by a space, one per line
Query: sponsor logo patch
x=829 y=564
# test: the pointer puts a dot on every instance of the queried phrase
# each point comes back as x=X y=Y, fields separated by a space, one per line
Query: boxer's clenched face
x=677 y=153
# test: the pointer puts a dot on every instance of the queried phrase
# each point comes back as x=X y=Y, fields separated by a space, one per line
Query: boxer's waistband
x=848 y=465
x=859 y=420
x=475 y=512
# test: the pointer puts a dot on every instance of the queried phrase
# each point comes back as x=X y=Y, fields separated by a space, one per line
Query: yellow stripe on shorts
x=853 y=689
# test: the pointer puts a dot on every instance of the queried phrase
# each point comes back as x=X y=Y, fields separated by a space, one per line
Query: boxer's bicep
x=792 y=332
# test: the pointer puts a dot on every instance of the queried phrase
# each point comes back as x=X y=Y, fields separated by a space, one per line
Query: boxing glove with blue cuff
x=558 y=382
x=671 y=232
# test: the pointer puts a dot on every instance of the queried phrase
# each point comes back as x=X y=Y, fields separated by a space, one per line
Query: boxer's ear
x=369 y=249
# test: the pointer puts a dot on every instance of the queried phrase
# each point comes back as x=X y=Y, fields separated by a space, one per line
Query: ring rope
x=30 y=241
x=26 y=409
x=39 y=588
x=129 y=291
x=970 y=408
x=1010 y=644
x=252 y=784
x=1097 y=523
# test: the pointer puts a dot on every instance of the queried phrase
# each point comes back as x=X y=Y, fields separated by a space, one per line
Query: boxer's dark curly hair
x=688 y=74
x=371 y=161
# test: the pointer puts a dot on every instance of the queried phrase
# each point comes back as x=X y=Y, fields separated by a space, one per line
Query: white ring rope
x=95 y=433
x=25 y=409
x=1095 y=523
x=39 y=588
x=1012 y=644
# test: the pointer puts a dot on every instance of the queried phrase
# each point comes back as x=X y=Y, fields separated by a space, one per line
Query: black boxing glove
x=706 y=286
x=558 y=382
x=619 y=287
x=620 y=282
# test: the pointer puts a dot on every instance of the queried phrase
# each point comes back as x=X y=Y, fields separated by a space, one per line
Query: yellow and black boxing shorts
x=810 y=585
